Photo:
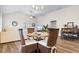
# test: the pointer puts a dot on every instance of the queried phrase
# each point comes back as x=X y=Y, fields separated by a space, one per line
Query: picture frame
x=33 y=24
x=14 y=23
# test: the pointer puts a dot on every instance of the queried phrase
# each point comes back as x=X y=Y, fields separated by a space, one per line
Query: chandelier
x=38 y=7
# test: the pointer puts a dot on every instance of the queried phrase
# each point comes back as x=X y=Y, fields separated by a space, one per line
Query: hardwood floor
x=68 y=46
x=63 y=46
x=12 y=47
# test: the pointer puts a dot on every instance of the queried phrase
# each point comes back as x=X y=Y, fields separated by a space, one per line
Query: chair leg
x=37 y=48
x=53 y=50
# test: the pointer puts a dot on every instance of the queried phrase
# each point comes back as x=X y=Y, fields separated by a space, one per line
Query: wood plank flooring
x=68 y=46
x=63 y=46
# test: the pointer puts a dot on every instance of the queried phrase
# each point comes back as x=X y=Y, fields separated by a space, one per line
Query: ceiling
x=27 y=9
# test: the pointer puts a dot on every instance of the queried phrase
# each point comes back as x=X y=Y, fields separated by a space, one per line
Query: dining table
x=38 y=35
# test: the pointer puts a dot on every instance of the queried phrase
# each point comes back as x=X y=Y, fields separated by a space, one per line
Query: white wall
x=70 y=14
x=19 y=17
x=0 y=22
x=0 y=19
x=12 y=32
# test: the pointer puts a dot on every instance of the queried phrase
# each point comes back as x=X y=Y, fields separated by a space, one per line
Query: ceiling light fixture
x=32 y=16
x=38 y=7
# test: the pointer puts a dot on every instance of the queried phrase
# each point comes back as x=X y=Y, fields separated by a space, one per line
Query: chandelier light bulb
x=38 y=7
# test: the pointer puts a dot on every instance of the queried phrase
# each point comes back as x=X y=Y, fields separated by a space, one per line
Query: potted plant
x=45 y=28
